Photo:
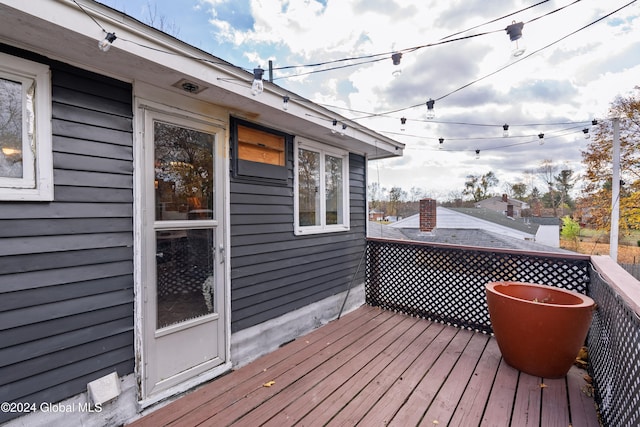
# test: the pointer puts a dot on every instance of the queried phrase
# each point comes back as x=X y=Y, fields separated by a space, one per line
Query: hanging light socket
x=257 y=86
x=431 y=114
x=396 y=57
x=105 y=44
x=515 y=35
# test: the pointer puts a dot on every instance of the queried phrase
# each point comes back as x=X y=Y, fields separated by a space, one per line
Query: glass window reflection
x=183 y=173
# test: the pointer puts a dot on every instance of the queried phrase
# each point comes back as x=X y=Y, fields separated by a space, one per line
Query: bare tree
x=160 y=22
x=547 y=172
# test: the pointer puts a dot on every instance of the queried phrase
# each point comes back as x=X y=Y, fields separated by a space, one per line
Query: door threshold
x=183 y=387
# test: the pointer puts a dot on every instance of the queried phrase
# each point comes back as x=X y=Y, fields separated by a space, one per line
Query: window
x=260 y=153
x=26 y=167
x=321 y=188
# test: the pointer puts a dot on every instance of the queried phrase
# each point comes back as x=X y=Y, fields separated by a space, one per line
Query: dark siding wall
x=66 y=267
x=272 y=270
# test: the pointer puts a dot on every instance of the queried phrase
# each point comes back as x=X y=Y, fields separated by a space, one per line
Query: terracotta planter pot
x=539 y=328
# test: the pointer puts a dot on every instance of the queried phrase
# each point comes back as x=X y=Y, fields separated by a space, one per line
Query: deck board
x=376 y=367
x=474 y=399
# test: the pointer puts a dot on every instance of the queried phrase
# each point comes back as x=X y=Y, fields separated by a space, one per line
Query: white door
x=182 y=253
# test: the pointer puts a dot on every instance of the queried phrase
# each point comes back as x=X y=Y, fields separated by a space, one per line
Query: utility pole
x=615 y=191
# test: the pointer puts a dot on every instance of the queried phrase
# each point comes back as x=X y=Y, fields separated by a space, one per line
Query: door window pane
x=333 y=190
x=183 y=173
x=184 y=275
x=308 y=187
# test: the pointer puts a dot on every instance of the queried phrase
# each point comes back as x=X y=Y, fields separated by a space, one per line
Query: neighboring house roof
x=521 y=224
x=467 y=227
x=499 y=201
x=474 y=218
x=378 y=229
x=545 y=220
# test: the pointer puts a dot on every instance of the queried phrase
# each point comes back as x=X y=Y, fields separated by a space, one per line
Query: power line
x=539 y=140
x=505 y=66
x=385 y=55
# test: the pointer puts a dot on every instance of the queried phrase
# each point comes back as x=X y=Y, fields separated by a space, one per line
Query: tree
x=596 y=201
x=478 y=186
x=396 y=195
x=547 y=171
x=519 y=190
x=570 y=230
x=564 y=183
x=160 y=22
x=375 y=195
x=416 y=194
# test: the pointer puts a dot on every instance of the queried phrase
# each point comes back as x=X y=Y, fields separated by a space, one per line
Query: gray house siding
x=273 y=271
x=66 y=267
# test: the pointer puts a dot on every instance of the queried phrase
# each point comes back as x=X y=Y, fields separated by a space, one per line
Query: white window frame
x=37 y=181
x=323 y=150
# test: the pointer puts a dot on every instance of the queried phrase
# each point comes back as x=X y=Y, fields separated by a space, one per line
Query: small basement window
x=26 y=165
x=261 y=153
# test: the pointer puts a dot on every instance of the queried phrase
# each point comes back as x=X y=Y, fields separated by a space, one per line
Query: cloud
x=567 y=77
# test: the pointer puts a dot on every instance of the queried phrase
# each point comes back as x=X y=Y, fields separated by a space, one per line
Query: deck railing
x=446 y=283
x=614 y=343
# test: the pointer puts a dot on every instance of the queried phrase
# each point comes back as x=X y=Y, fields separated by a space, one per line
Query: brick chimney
x=427 y=214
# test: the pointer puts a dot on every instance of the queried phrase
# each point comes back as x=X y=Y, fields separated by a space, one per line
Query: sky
x=574 y=66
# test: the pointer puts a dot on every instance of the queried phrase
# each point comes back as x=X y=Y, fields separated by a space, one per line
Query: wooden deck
x=374 y=368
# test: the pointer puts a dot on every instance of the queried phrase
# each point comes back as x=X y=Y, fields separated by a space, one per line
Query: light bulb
x=403 y=123
x=431 y=114
x=541 y=137
x=515 y=35
x=105 y=44
x=441 y=140
x=505 y=130
x=335 y=123
x=477 y=154
x=396 y=57
x=586 y=133
x=285 y=103
x=257 y=86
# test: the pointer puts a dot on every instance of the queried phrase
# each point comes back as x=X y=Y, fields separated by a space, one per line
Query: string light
x=515 y=35
x=441 y=141
x=335 y=123
x=586 y=133
x=477 y=154
x=505 y=130
x=285 y=102
x=257 y=86
x=105 y=44
x=403 y=124
x=396 y=58
x=541 y=138
x=431 y=114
